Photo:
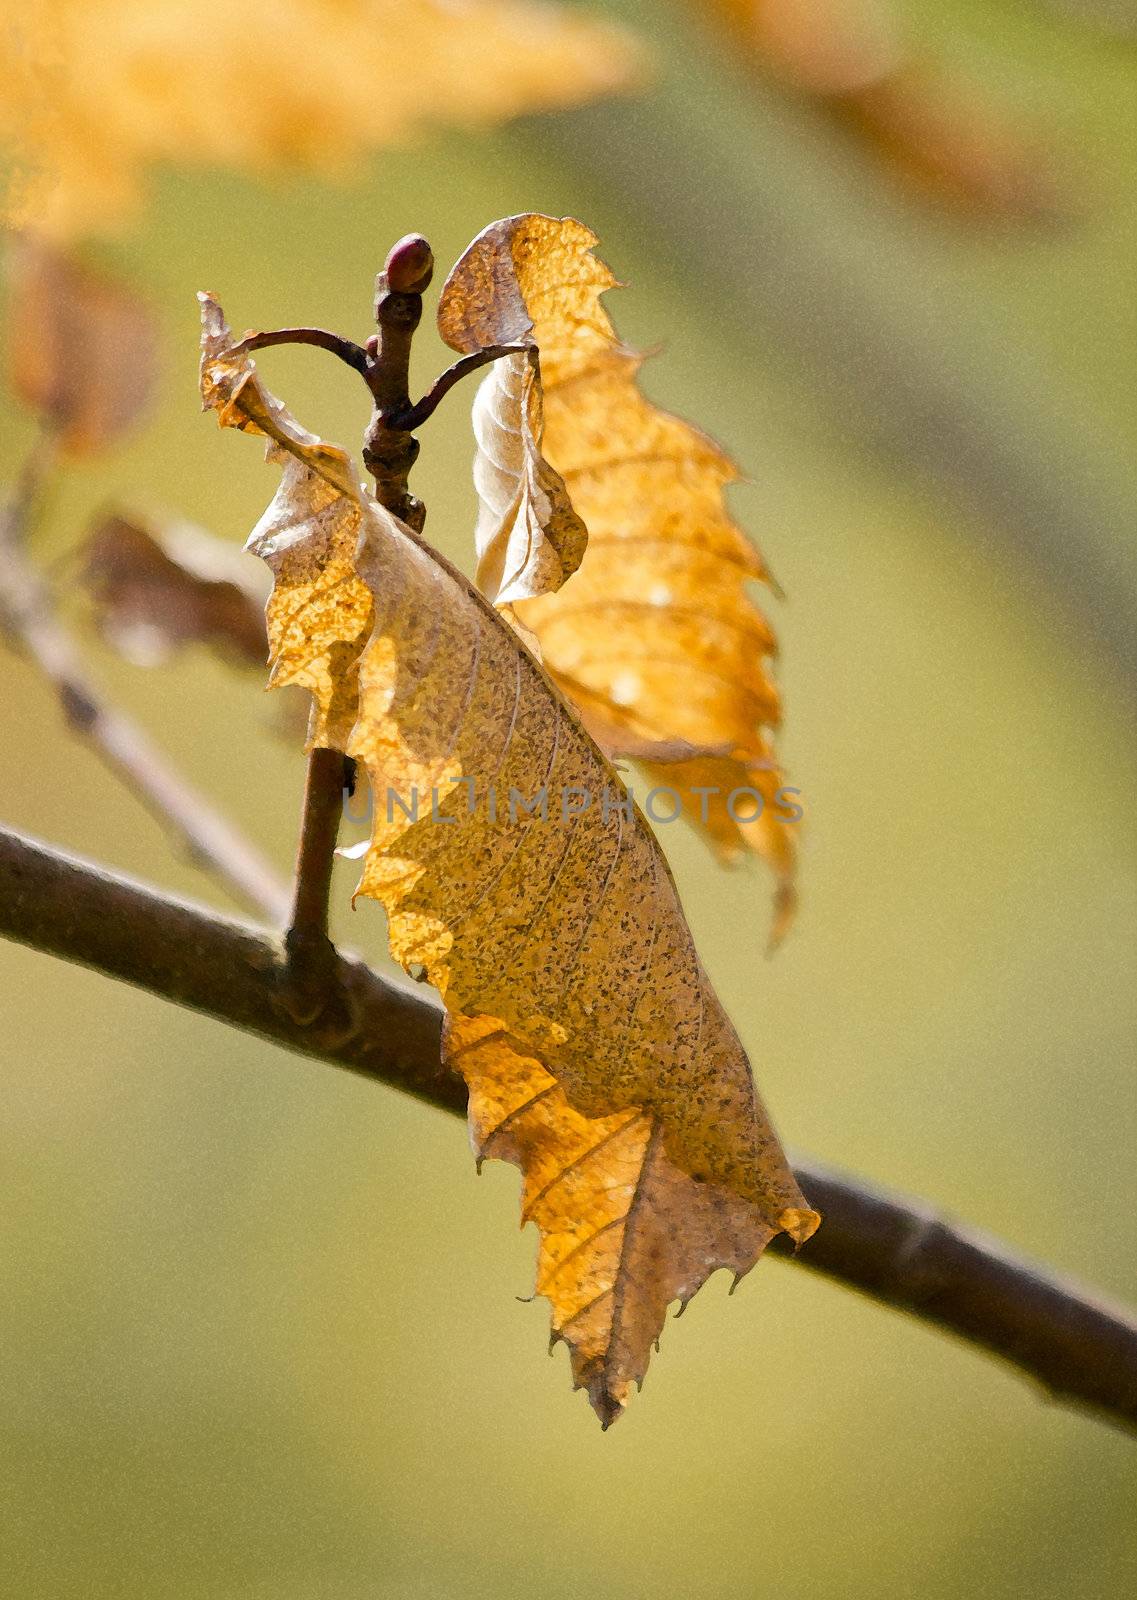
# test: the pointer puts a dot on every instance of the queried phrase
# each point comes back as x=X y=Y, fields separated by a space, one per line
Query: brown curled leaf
x=597 y=1054
x=155 y=590
x=947 y=143
x=81 y=347
x=656 y=639
x=940 y=137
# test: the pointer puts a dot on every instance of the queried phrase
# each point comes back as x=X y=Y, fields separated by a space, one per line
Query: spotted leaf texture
x=655 y=639
x=597 y=1055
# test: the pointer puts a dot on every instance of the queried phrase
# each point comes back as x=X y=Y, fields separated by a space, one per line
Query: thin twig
x=319 y=828
x=417 y=414
x=310 y=986
x=28 y=617
x=899 y=1251
x=358 y=357
x=346 y=349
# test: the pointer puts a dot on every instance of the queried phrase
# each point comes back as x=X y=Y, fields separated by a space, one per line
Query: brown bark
x=899 y=1251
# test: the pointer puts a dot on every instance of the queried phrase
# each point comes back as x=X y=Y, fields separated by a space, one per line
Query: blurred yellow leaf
x=518 y=878
x=92 y=95
x=655 y=639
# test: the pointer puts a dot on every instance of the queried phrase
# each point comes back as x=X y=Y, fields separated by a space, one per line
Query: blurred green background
x=261 y=1335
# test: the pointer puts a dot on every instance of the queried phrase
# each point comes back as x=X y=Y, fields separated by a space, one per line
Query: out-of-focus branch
x=899 y=1251
x=31 y=623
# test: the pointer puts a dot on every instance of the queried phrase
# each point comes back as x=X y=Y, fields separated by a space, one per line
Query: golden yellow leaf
x=518 y=878
x=655 y=639
x=624 y=1229
x=93 y=95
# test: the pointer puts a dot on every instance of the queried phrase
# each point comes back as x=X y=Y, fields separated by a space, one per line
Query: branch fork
x=389 y=448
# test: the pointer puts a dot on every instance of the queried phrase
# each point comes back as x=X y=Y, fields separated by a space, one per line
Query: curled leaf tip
x=529 y=537
x=800 y=1223
x=608 y=1407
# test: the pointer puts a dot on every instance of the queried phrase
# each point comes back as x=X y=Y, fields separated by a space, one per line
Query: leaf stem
x=417 y=414
x=346 y=349
x=323 y=800
x=309 y=980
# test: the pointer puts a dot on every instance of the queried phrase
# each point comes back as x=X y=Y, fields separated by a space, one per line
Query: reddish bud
x=409 y=265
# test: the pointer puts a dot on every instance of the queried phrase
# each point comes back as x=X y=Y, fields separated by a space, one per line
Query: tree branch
x=224 y=968
x=901 y=1252
x=28 y=618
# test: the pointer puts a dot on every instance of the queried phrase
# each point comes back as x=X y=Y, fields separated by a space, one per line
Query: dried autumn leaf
x=157 y=590
x=597 y=1055
x=81 y=347
x=317 y=632
x=655 y=640
x=93 y=96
